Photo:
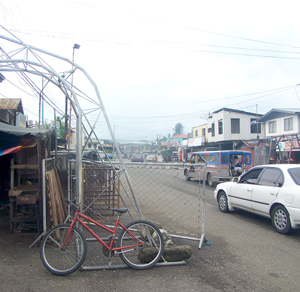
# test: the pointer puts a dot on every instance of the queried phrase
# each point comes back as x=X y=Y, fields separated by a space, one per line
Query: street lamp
x=76 y=46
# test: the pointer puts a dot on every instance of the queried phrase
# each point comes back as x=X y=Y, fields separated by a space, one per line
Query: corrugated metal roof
x=180 y=136
x=235 y=111
x=19 y=131
x=11 y=103
x=276 y=113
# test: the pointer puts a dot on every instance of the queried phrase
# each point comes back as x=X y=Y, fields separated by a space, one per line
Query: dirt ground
x=21 y=270
x=236 y=260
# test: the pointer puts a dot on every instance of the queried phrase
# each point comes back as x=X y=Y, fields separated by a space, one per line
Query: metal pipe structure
x=41 y=68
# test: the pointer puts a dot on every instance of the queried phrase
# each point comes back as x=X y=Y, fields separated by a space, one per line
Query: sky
x=158 y=63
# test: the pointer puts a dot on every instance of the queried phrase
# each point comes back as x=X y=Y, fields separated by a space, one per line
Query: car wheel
x=281 y=220
x=210 y=181
x=222 y=202
x=187 y=176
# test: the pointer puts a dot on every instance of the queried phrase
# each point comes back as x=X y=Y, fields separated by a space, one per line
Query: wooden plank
x=24 y=166
x=61 y=193
x=29 y=197
x=14 y=193
x=52 y=199
x=49 y=216
x=56 y=198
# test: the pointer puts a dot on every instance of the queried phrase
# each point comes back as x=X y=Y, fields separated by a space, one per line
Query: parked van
x=220 y=165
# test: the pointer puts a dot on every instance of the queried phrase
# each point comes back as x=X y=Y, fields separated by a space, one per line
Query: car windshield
x=295 y=174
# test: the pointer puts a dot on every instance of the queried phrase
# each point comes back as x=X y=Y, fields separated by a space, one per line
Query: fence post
x=202 y=239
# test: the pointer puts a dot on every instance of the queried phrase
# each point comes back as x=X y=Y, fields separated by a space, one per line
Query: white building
x=282 y=128
x=228 y=124
x=280 y=122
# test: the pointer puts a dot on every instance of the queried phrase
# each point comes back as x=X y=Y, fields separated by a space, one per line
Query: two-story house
x=226 y=127
x=198 y=138
x=11 y=112
x=282 y=127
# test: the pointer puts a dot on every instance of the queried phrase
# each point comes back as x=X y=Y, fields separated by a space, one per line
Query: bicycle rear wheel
x=147 y=255
x=66 y=260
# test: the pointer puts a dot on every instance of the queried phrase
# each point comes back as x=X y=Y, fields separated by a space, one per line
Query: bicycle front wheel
x=67 y=259
x=143 y=256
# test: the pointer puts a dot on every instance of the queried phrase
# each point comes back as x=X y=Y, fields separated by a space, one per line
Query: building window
x=235 y=126
x=288 y=124
x=196 y=133
x=255 y=127
x=220 y=127
x=213 y=129
x=89 y=145
x=272 y=127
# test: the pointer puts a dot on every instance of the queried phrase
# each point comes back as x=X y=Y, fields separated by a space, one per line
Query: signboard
x=21 y=120
x=169 y=143
x=193 y=142
x=286 y=146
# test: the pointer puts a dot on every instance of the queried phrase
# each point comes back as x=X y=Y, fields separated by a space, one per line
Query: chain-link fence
x=48 y=165
x=160 y=189
x=157 y=192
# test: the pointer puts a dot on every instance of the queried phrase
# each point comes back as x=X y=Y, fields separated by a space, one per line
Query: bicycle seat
x=121 y=211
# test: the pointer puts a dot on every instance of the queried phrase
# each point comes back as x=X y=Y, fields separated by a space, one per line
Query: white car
x=267 y=190
x=151 y=158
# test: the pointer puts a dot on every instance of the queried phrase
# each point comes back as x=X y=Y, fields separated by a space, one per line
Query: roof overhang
x=278 y=113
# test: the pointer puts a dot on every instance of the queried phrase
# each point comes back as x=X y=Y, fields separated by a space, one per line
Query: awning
x=13 y=139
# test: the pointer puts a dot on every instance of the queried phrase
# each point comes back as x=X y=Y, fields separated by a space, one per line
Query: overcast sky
x=157 y=63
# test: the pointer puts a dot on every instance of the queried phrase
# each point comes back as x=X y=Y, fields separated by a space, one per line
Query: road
x=245 y=254
x=250 y=252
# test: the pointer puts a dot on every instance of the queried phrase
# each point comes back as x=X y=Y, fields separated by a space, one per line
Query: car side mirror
x=235 y=179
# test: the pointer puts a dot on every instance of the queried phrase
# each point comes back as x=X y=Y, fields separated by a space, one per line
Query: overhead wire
x=267 y=93
x=184 y=115
x=173 y=105
x=56 y=35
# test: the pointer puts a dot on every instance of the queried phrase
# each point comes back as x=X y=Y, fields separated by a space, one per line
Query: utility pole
x=115 y=136
x=76 y=46
x=257 y=122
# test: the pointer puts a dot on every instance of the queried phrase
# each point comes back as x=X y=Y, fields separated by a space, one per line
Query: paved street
x=246 y=254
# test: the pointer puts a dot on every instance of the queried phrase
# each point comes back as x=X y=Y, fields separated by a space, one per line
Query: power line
x=173 y=105
x=58 y=35
x=248 y=55
x=193 y=28
x=242 y=38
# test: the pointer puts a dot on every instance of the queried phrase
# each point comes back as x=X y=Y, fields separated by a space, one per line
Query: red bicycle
x=139 y=244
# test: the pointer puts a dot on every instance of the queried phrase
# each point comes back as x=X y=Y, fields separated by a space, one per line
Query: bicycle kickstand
x=109 y=258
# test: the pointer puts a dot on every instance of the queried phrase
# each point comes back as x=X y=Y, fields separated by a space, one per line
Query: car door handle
x=272 y=194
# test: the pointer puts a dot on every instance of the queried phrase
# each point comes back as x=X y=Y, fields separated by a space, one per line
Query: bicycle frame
x=79 y=216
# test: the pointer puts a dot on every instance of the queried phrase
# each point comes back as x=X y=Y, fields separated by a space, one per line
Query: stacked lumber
x=55 y=197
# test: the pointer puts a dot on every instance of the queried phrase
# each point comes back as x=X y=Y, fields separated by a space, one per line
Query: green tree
x=61 y=126
x=179 y=129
